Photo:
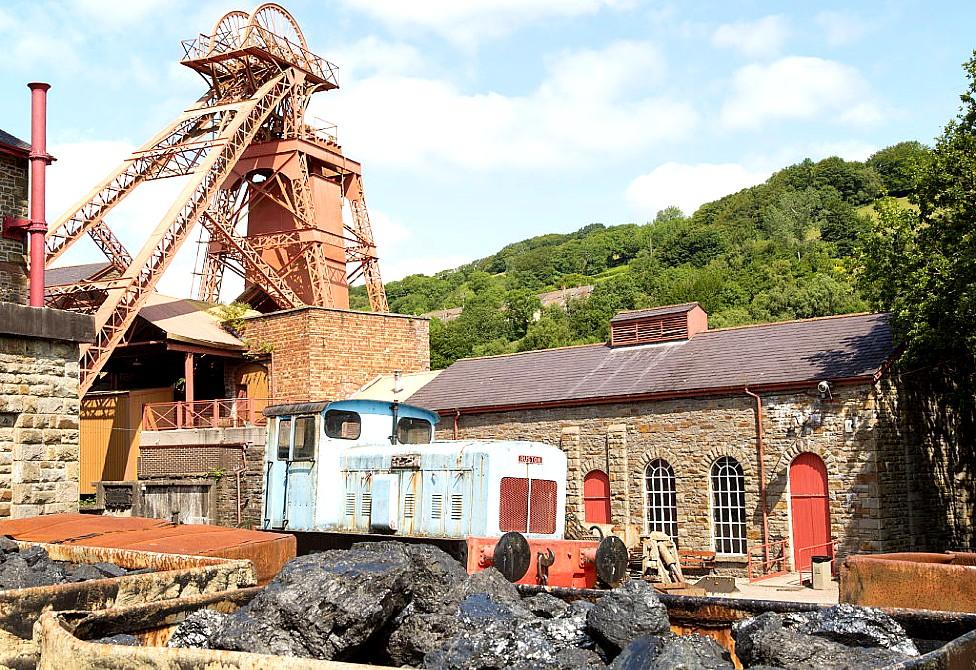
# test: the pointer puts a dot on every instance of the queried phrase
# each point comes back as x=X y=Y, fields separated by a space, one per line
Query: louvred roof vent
x=660 y=324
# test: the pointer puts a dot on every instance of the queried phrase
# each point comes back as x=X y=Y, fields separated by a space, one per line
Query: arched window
x=728 y=506
x=661 y=505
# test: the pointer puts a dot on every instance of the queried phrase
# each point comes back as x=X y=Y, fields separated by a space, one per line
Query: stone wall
x=866 y=473
x=39 y=409
x=326 y=354
x=13 y=202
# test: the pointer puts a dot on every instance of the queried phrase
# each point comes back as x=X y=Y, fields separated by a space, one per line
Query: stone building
x=39 y=351
x=13 y=203
x=664 y=427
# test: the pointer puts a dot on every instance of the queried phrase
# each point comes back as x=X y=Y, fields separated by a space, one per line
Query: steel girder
x=239 y=124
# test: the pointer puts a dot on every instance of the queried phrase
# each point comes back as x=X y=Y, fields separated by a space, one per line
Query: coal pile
x=397 y=604
x=839 y=637
x=25 y=568
x=404 y=605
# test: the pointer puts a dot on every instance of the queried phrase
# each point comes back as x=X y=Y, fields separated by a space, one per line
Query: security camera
x=823 y=388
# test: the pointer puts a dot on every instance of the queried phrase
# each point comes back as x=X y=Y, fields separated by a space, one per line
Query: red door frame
x=596 y=497
x=809 y=509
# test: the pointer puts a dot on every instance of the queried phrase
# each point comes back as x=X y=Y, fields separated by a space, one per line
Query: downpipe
x=761 y=449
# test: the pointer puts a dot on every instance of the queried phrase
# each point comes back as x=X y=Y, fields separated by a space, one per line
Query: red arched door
x=810 y=509
x=596 y=497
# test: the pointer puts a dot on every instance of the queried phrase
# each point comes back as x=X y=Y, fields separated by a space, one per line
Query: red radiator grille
x=513 y=504
x=542 y=515
x=515 y=512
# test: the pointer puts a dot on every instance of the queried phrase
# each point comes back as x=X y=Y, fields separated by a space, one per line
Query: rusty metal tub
x=173 y=576
x=267 y=552
x=62 y=636
x=945 y=582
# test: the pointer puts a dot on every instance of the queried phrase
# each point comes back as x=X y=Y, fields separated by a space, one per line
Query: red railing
x=768 y=560
x=222 y=413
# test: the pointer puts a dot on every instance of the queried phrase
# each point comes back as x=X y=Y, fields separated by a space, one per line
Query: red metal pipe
x=760 y=446
x=39 y=160
x=457 y=417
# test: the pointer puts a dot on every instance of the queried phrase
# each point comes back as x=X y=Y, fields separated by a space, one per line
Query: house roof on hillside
x=769 y=355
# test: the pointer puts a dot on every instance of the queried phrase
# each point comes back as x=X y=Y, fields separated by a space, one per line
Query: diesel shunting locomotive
x=354 y=470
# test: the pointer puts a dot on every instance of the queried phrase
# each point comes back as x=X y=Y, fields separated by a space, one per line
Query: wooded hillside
x=780 y=250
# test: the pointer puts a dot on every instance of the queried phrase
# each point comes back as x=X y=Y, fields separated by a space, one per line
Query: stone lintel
x=45 y=323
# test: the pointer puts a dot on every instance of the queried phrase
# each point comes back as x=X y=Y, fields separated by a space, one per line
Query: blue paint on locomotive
x=334 y=467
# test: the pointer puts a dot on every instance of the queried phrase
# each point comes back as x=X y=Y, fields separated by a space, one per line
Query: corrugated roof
x=9 y=140
x=72 y=274
x=381 y=387
x=189 y=321
x=768 y=354
x=654 y=311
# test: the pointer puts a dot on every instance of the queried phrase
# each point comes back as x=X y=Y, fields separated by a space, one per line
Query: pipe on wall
x=39 y=160
x=761 y=448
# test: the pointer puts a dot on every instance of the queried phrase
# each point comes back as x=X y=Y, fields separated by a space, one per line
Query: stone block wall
x=691 y=434
x=324 y=354
x=39 y=410
x=13 y=202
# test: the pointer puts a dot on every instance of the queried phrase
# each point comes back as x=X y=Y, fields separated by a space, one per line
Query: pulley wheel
x=512 y=556
x=611 y=561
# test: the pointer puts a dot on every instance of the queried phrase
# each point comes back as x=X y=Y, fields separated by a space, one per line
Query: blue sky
x=482 y=122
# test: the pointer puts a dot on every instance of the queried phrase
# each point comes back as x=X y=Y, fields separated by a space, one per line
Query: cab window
x=304 y=439
x=342 y=425
x=413 y=431
x=284 y=439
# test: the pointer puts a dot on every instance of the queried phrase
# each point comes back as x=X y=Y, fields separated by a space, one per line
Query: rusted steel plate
x=268 y=552
x=940 y=582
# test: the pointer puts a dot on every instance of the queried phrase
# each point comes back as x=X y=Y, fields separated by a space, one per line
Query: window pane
x=728 y=506
x=304 y=439
x=342 y=425
x=661 y=512
x=413 y=431
x=284 y=439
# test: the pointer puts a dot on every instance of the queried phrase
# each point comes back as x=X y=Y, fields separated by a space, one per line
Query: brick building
x=39 y=351
x=307 y=353
x=660 y=428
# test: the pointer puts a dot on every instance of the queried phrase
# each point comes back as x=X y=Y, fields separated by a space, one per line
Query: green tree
x=898 y=166
x=922 y=266
x=551 y=330
x=521 y=308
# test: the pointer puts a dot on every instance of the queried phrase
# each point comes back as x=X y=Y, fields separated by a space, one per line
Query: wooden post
x=188 y=377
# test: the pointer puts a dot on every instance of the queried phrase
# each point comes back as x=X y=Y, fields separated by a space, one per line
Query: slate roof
x=188 y=321
x=655 y=311
x=8 y=140
x=71 y=274
x=795 y=352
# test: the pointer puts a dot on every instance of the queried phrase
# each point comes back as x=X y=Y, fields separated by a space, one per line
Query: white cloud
x=797 y=88
x=688 y=186
x=592 y=104
x=465 y=21
x=78 y=169
x=755 y=39
x=371 y=54
x=840 y=28
x=115 y=14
